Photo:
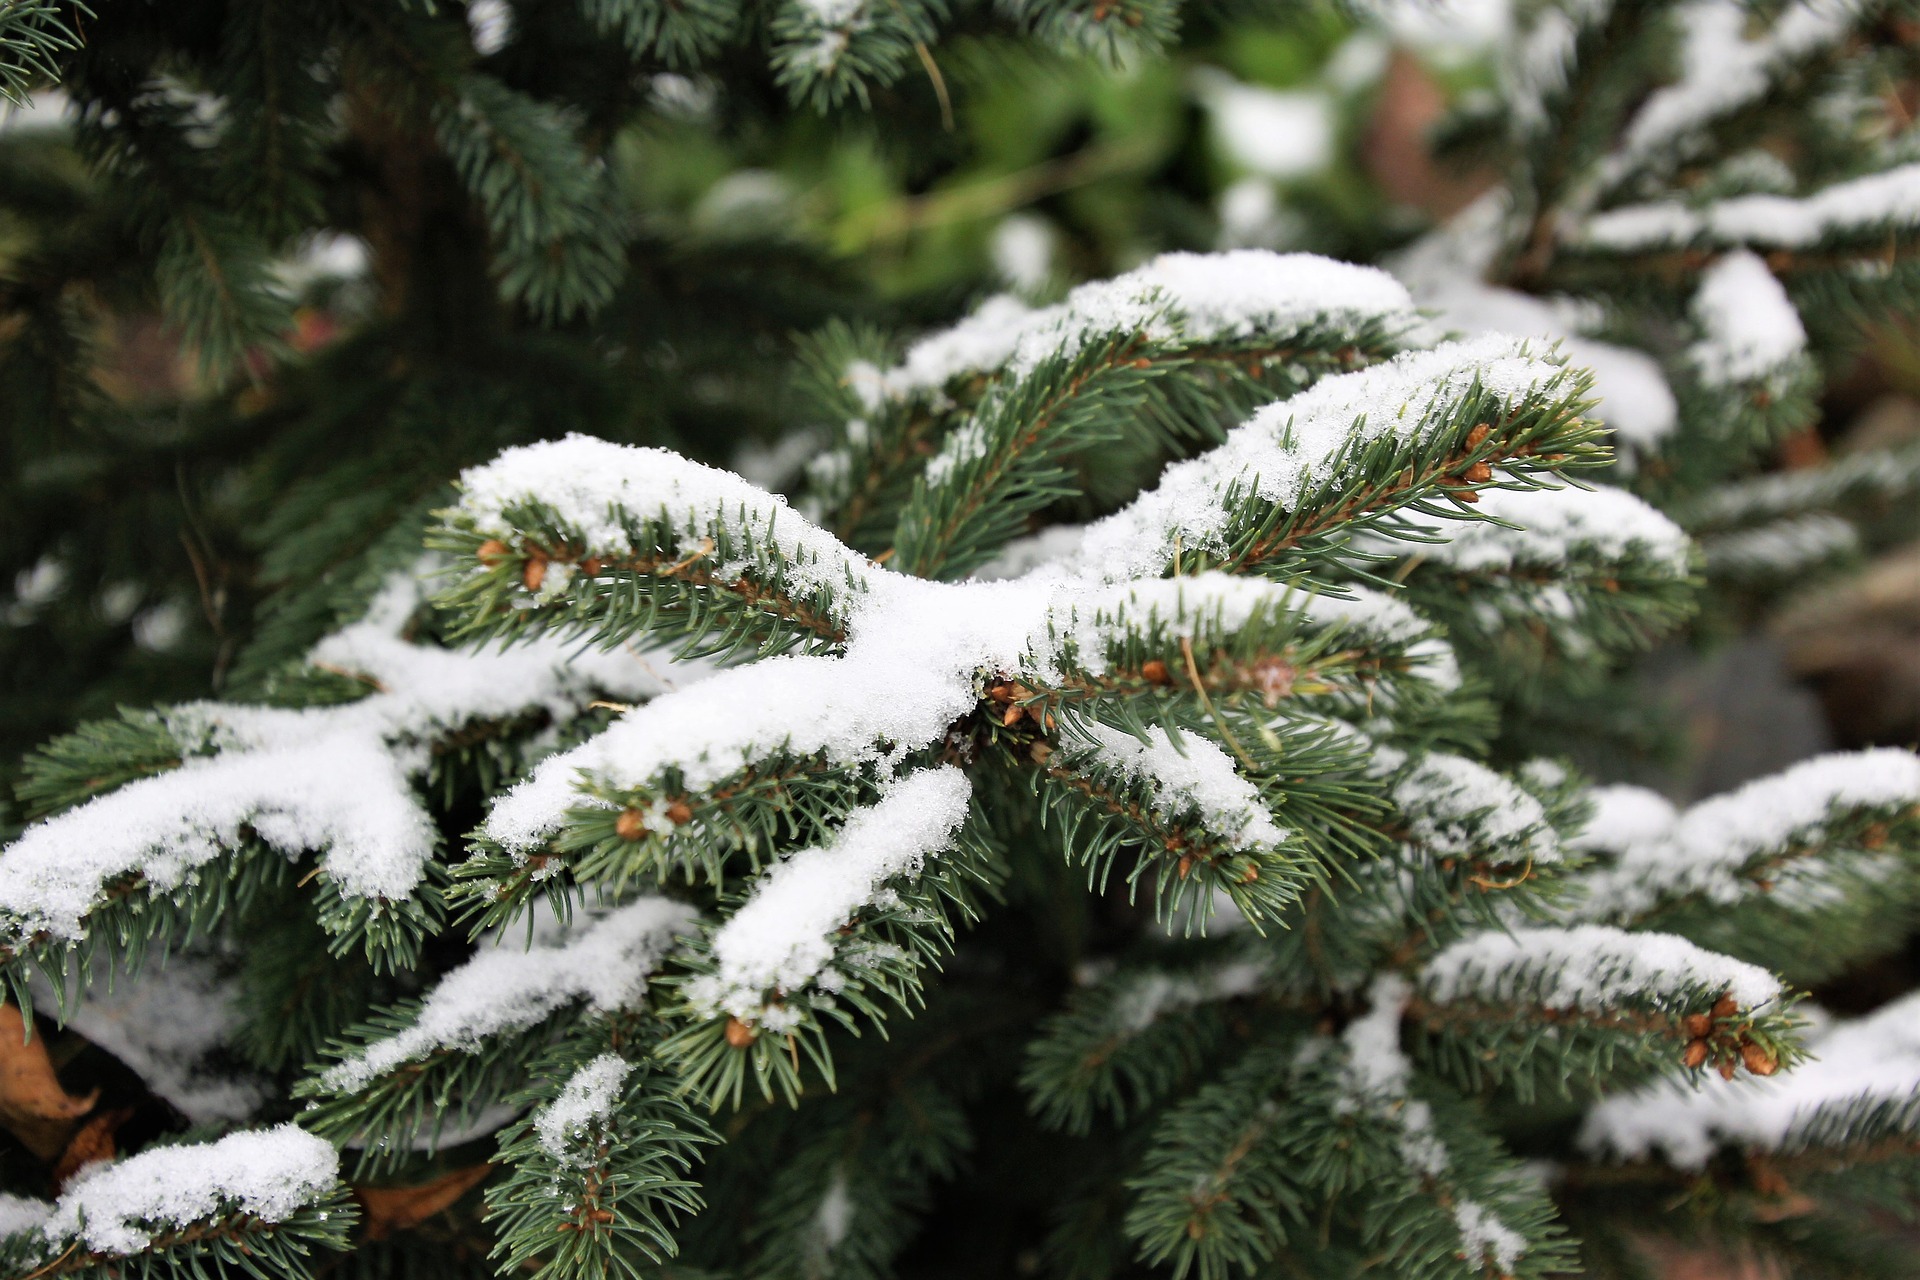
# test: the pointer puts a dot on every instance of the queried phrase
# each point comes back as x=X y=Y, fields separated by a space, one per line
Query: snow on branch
x=1447 y=270
x=1857 y=1067
x=782 y=938
x=586 y=1100
x=1590 y=967
x=1551 y=529
x=118 y=1209
x=1780 y=551
x=1087 y=629
x=1724 y=72
x=1890 y=198
x=1292 y=449
x=1189 y=779
x=1771 y=836
x=567 y=510
x=1458 y=808
x=1176 y=298
x=1750 y=330
x=337 y=779
x=1376 y=1076
x=605 y=963
x=1874 y=475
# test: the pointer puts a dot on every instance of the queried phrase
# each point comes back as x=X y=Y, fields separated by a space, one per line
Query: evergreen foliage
x=1126 y=807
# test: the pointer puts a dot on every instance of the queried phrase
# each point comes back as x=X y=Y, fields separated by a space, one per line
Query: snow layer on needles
x=1187 y=777
x=1287 y=449
x=588 y=482
x=18 y=1214
x=589 y=1096
x=1750 y=329
x=1874 y=1060
x=1548 y=528
x=1376 y=1078
x=1180 y=606
x=1762 y=221
x=268 y=1174
x=914 y=652
x=1660 y=854
x=338 y=779
x=1724 y=72
x=1588 y=967
x=1212 y=296
x=784 y=934
x=1635 y=401
x=501 y=990
x=1459 y=808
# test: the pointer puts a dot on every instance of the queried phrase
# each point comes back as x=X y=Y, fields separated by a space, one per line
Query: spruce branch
x=34 y=34
x=598 y=1171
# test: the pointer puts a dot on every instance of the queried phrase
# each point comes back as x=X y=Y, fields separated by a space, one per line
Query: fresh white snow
x=587 y=1098
x=604 y=962
x=267 y=1173
x=783 y=936
x=1588 y=967
x=1855 y=1064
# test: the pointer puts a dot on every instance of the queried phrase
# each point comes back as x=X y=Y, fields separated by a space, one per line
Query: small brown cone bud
x=680 y=812
x=1155 y=672
x=1758 y=1060
x=1252 y=874
x=1726 y=1006
x=1479 y=473
x=1186 y=864
x=591 y=566
x=535 y=572
x=492 y=552
x=1727 y=1068
x=1697 y=1025
x=739 y=1034
x=629 y=825
x=1479 y=434
x=1011 y=716
x=1040 y=752
x=1695 y=1056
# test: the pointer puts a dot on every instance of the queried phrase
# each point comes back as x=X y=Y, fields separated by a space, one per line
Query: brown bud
x=1758 y=1060
x=1726 y=1006
x=1252 y=874
x=680 y=812
x=1155 y=671
x=1040 y=752
x=1479 y=434
x=1695 y=1055
x=492 y=552
x=1697 y=1025
x=629 y=825
x=1727 y=1068
x=1012 y=715
x=591 y=566
x=739 y=1034
x=535 y=572
x=1186 y=864
x=1195 y=1228
x=1478 y=473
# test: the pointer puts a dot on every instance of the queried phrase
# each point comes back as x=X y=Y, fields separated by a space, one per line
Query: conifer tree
x=1092 y=824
